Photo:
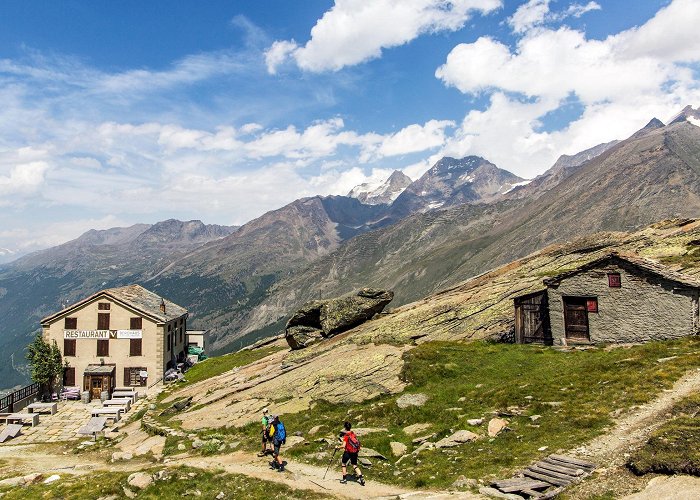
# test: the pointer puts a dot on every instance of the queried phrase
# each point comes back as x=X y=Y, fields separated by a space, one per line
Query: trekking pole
x=329 y=463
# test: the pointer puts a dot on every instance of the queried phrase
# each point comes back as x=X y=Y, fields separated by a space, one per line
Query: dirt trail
x=633 y=430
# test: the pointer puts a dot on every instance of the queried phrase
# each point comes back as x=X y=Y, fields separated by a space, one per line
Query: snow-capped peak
x=383 y=191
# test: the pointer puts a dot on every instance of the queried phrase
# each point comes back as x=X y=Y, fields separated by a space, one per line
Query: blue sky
x=122 y=112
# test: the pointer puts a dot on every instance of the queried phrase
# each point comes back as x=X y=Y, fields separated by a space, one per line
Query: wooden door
x=532 y=319
x=576 y=318
x=95 y=387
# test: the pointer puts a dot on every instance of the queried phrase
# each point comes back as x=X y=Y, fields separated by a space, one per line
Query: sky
x=116 y=113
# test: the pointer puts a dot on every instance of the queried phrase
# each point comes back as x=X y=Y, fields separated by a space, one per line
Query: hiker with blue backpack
x=351 y=448
x=278 y=434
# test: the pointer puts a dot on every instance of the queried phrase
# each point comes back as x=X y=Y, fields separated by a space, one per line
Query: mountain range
x=461 y=218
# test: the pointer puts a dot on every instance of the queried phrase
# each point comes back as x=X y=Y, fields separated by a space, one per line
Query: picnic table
x=114 y=413
x=52 y=407
x=124 y=403
x=95 y=425
x=133 y=395
x=20 y=417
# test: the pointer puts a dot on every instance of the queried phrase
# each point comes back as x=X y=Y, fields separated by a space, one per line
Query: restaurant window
x=103 y=321
x=132 y=377
x=103 y=347
x=135 y=346
x=136 y=323
x=70 y=324
x=103 y=306
x=69 y=347
x=69 y=376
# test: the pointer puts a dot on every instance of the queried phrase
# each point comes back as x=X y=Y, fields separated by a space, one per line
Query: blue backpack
x=281 y=433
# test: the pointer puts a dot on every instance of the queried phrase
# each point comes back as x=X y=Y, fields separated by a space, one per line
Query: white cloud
x=354 y=31
x=577 y=10
x=620 y=83
x=23 y=178
x=537 y=12
x=414 y=138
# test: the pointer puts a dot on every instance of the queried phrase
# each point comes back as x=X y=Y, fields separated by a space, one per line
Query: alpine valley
x=461 y=218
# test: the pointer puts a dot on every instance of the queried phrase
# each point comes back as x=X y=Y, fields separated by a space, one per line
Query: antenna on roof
x=162 y=305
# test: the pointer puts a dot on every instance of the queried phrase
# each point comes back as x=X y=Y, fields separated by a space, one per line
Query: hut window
x=103 y=321
x=69 y=377
x=136 y=323
x=135 y=347
x=592 y=305
x=132 y=377
x=103 y=306
x=71 y=324
x=69 y=347
x=614 y=280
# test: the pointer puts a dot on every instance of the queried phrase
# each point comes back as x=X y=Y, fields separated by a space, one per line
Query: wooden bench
x=133 y=395
x=124 y=403
x=114 y=413
x=37 y=407
x=33 y=418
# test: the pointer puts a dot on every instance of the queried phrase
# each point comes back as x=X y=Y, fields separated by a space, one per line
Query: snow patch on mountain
x=517 y=184
x=381 y=191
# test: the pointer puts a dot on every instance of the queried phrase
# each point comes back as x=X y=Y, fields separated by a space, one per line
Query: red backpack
x=352 y=444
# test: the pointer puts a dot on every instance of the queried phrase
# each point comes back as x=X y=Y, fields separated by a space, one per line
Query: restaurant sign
x=102 y=334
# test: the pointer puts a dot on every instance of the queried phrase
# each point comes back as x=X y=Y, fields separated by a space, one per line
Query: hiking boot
x=280 y=468
x=343 y=481
x=262 y=454
x=273 y=464
x=361 y=480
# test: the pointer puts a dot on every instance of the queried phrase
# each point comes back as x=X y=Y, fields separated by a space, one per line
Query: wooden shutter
x=70 y=324
x=69 y=347
x=69 y=376
x=103 y=306
x=135 y=346
x=127 y=376
x=103 y=321
x=103 y=347
x=136 y=323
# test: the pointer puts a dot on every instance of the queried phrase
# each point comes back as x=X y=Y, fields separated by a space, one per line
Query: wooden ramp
x=546 y=478
x=10 y=432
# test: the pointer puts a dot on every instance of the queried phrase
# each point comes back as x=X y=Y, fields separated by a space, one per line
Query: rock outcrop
x=322 y=319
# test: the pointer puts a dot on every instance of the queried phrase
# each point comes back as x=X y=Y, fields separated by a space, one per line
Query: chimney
x=162 y=305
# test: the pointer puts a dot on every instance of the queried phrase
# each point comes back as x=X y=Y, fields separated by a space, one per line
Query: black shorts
x=265 y=439
x=349 y=457
x=277 y=445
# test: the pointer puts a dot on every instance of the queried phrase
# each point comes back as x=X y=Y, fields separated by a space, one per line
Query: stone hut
x=613 y=299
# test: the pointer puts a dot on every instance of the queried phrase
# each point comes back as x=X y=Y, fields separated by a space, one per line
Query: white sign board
x=102 y=334
x=86 y=334
x=143 y=374
x=129 y=334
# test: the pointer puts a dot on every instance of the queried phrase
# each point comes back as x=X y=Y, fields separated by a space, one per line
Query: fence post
x=12 y=402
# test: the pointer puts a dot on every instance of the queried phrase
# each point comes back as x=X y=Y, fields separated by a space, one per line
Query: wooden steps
x=546 y=478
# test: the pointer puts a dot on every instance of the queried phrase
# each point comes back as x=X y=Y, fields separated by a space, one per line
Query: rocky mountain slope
x=381 y=193
x=645 y=178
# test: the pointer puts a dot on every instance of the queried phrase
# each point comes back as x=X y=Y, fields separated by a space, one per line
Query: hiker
x=351 y=446
x=279 y=437
x=266 y=423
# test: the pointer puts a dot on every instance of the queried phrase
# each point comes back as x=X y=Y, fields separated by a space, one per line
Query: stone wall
x=646 y=307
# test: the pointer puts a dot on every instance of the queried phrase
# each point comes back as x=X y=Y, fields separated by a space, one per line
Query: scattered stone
x=494 y=493
x=234 y=445
x=192 y=493
x=463 y=482
x=425 y=446
x=51 y=479
x=197 y=443
x=220 y=496
x=140 y=480
x=398 y=449
x=414 y=429
x=475 y=421
x=369 y=452
x=181 y=446
x=496 y=426
x=663 y=360
x=365 y=461
x=294 y=440
x=298 y=433
x=462 y=399
x=423 y=439
x=456 y=439
x=121 y=455
x=222 y=448
x=479 y=386
x=315 y=429
x=535 y=418
x=12 y=481
x=542 y=448
x=407 y=400
x=453 y=409
x=34 y=477
x=363 y=431
x=128 y=493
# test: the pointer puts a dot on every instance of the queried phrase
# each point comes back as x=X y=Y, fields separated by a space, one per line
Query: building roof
x=631 y=261
x=134 y=296
x=99 y=369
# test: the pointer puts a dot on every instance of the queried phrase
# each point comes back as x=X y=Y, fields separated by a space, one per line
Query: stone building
x=613 y=299
x=118 y=337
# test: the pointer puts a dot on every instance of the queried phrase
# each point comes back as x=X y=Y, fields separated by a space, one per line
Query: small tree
x=46 y=363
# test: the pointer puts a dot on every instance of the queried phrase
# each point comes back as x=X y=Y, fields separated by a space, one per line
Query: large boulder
x=322 y=319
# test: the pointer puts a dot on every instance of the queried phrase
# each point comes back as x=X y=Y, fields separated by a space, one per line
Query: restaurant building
x=118 y=337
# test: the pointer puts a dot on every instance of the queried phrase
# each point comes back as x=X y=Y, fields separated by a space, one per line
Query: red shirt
x=345 y=441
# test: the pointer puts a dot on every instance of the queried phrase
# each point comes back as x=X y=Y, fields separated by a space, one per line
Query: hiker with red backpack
x=351 y=448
